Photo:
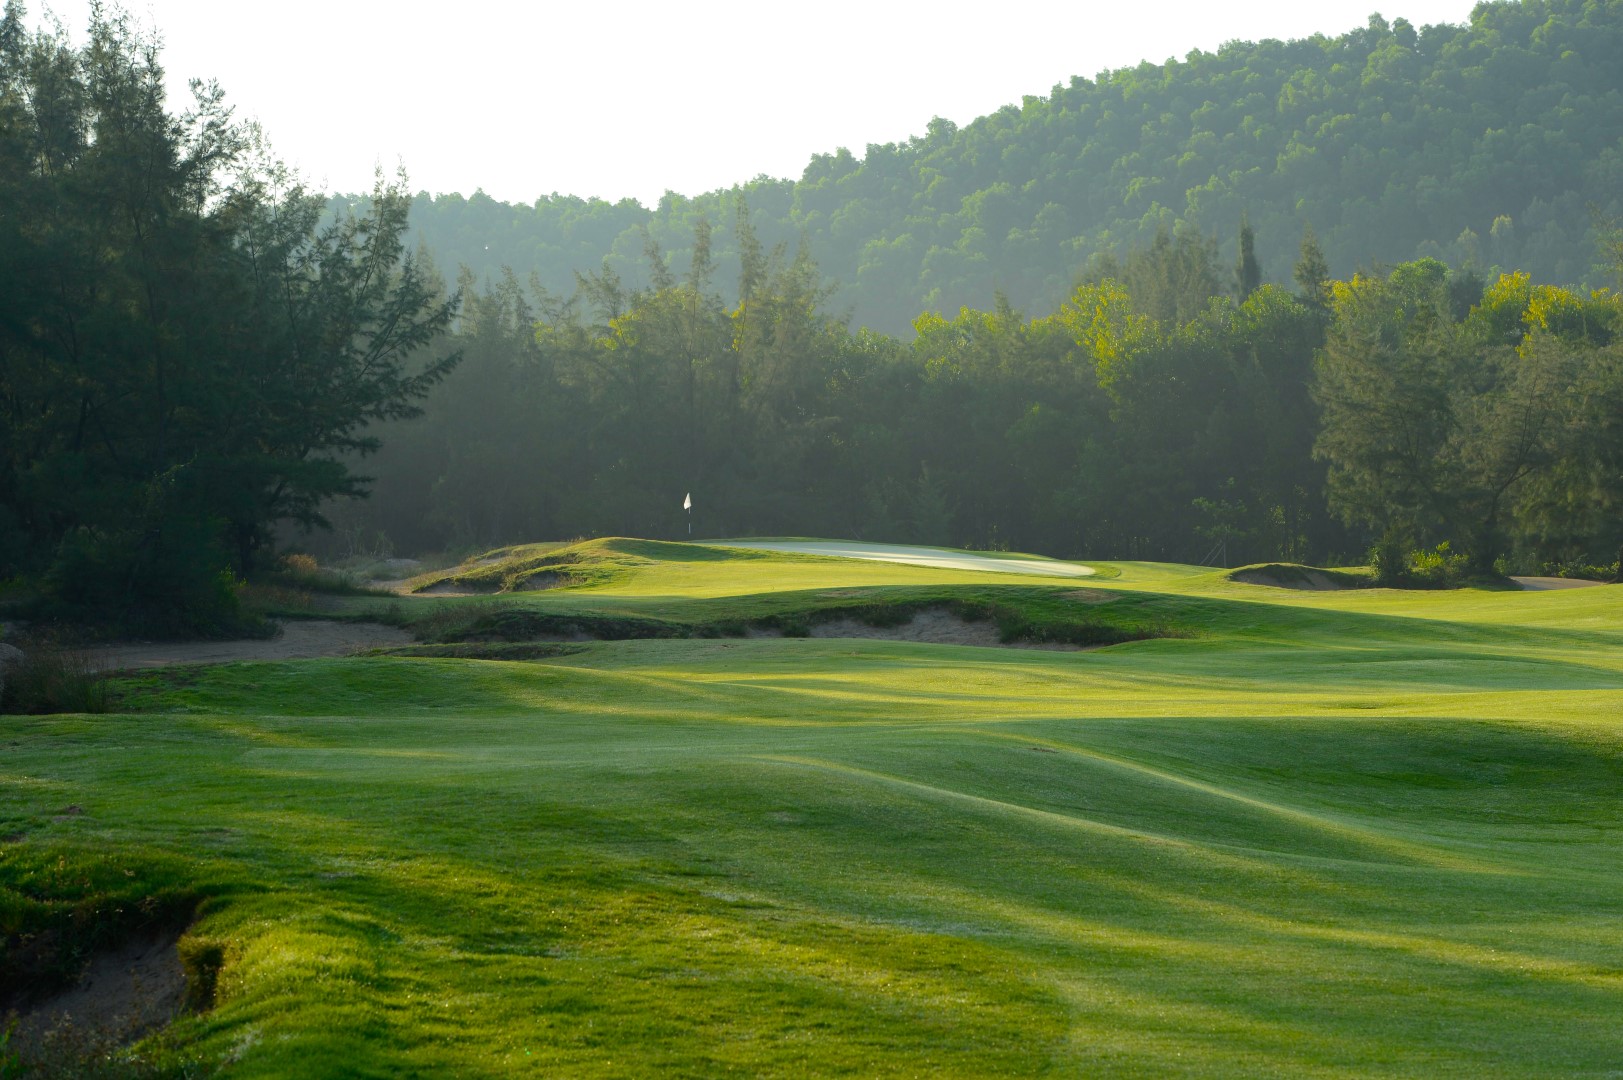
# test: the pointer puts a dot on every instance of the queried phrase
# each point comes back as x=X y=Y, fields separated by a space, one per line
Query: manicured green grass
x=1329 y=834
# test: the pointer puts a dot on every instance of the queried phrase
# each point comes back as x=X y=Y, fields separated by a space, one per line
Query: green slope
x=1332 y=834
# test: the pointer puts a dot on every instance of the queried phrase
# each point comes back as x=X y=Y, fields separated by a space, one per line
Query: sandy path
x=1539 y=584
x=914 y=556
x=301 y=639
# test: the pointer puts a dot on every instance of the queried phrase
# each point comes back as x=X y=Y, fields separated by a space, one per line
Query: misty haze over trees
x=1168 y=411
x=197 y=355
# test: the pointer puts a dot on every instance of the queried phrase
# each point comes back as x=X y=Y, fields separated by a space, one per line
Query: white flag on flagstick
x=687 y=501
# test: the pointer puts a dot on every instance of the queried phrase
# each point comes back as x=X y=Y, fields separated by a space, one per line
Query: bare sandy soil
x=121 y=996
x=301 y=639
x=916 y=556
x=1310 y=580
x=1540 y=584
x=935 y=626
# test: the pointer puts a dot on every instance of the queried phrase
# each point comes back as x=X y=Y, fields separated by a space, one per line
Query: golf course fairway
x=1356 y=833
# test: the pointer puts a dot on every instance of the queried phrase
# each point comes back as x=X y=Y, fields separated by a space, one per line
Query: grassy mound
x=1297 y=576
x=547 y=566
x=60 y=906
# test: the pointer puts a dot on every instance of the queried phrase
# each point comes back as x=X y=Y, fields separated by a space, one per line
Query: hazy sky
x=634 y=98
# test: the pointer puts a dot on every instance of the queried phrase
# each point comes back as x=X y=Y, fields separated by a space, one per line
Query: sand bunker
x=1544 y=584
x=301 y=639
x=1288 y=577
x=122 y=995
x=935 y=626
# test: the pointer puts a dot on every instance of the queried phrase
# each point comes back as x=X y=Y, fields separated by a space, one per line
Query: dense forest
x=201 y=361
x=1488 y=145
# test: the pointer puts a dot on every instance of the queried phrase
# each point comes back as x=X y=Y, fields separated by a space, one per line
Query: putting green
x=1329 y=834
x=951 y=558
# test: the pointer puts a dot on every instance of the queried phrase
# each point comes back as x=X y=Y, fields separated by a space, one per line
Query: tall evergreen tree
x=1247 y=271
x=1312 y=273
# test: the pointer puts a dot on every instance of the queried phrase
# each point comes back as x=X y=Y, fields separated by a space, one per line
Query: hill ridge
x=1493 y=143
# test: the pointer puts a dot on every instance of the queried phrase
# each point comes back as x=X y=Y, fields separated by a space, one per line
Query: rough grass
x=53 y=678
x=1333 y=834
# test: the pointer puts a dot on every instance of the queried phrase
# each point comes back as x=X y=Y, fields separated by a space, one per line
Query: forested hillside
x=1487 y=145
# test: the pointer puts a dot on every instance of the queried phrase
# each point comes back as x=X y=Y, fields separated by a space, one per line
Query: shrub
x=167 y=583
x=1578 y=568
x=1436 y=569
x=1398 y=567
x=1391 y=562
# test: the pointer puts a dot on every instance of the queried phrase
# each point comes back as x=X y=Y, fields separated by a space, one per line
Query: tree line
x=1172 y=408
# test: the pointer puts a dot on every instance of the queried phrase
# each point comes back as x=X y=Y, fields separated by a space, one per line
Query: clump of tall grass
x=447 y=621
x=52 y=678
x=301 y=573
x=264 y=598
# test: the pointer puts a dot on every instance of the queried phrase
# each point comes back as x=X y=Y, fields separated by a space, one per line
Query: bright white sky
x=634 y=98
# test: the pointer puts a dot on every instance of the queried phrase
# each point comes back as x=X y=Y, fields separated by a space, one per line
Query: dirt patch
x=934 y=626
x=1092 y=596
x=123 y=995
x=300 y=639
